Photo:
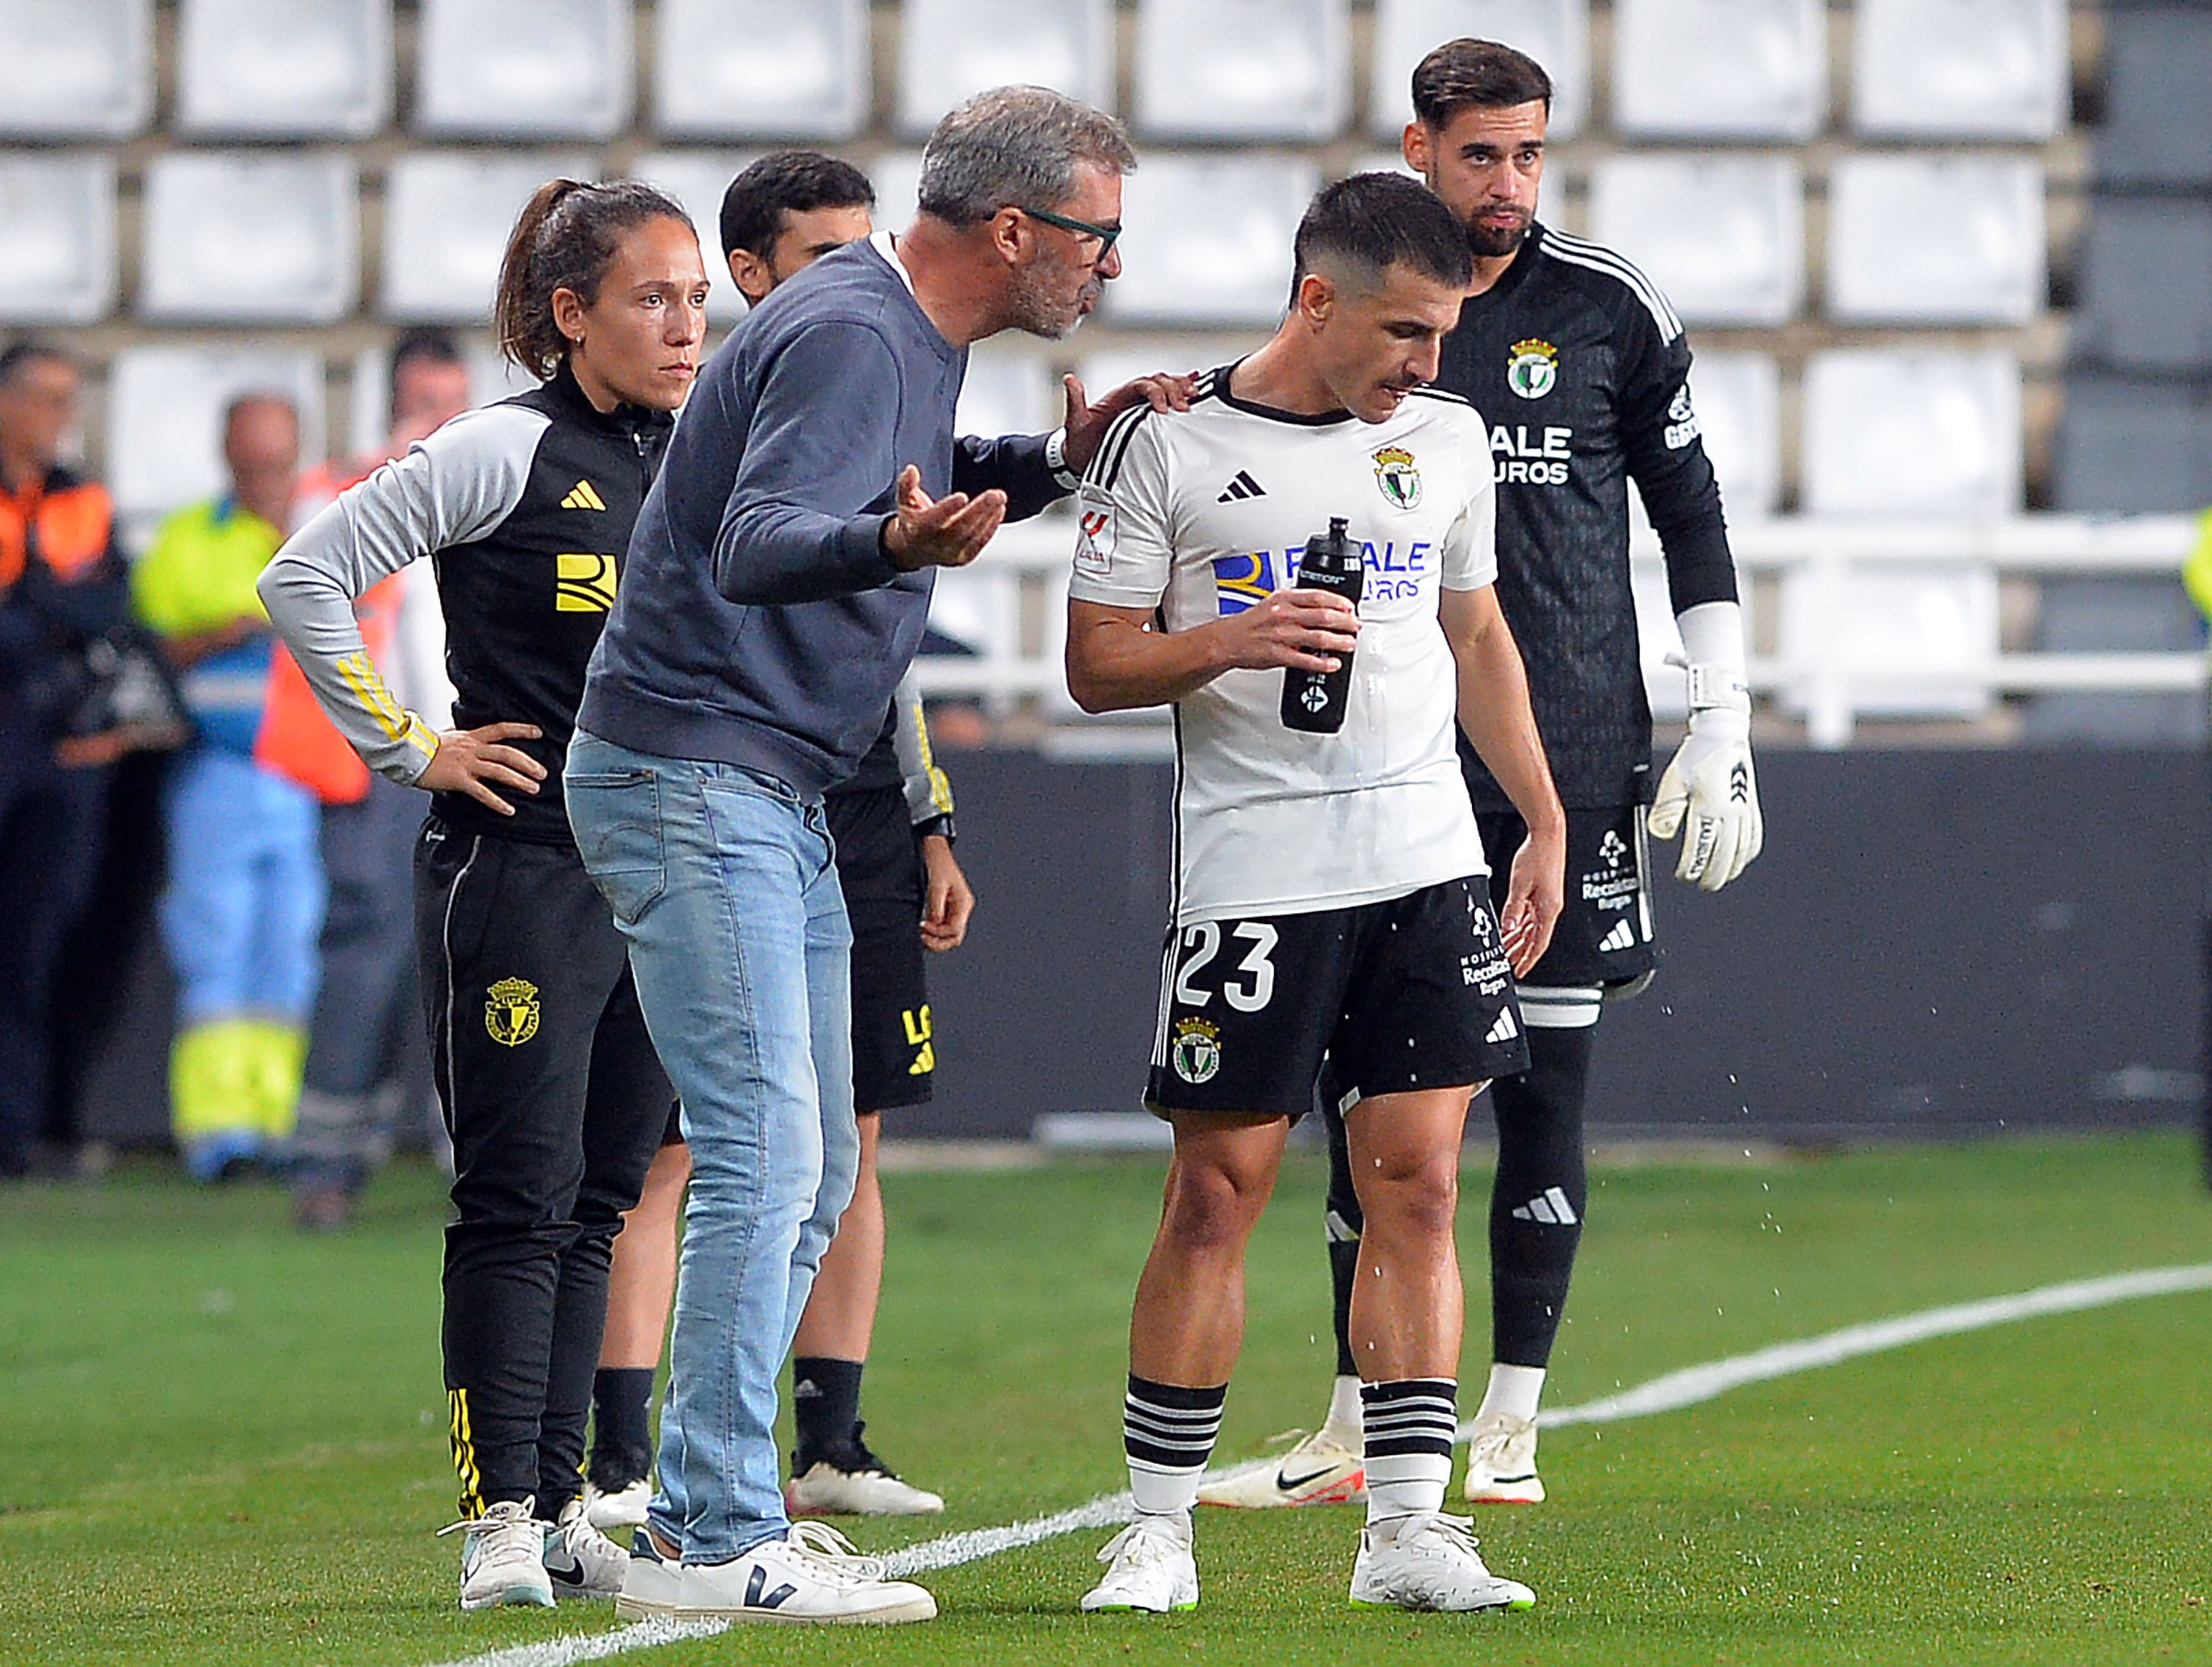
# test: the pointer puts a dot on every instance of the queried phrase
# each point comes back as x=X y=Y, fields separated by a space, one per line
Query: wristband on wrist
x=1055 y=459
x=940 y=825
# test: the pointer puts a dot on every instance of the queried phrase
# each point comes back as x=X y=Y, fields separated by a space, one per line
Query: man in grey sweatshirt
x=777 y=585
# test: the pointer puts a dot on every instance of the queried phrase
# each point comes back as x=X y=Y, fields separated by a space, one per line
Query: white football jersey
x=1201 y=513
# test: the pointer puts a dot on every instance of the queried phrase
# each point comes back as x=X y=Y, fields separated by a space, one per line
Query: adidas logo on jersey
x=1550 y=1207
x=583 y=495
x=1505 y=1029
x=1622 y=937
x=1241 y=488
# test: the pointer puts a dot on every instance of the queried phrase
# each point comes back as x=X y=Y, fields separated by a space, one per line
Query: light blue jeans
x=721 y=880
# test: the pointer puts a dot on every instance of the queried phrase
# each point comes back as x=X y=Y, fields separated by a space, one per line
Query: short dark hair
x=29 y=349
x=425 y=344
x=787 y=182
x=1375 y=221
x=1485 y=73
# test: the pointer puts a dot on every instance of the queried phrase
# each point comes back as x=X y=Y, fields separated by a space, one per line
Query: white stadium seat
x=1555 y=32
x=312 y=68
x=1243 y=69
x=165 y=407
x=1720 y=69
x=57 y=238
x=492 y=376
x=1980 y=68
x=950 y=49
x=1935 y=239
x=75 y=69
x=696 y=179
x=1008 y=390
x=447 y=216
x=1208 y=239
x=1724 y=236
x=1928 y=631
x=897 y=176
x=1738 y=399
x=524 y=67
x=760 y=68
x=261 y=236
x=1896 y=431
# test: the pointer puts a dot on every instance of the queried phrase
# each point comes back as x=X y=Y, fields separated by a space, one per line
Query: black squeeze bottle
x=1315 y=701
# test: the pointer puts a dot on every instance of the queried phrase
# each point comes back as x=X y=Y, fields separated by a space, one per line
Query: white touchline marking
x=1669 y=1393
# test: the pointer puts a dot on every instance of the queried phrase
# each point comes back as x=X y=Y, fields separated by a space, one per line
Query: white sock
x=1513 y=1390
x=1343 y=1424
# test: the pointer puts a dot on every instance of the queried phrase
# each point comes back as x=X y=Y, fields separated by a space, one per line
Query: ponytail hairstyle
x=566 y=237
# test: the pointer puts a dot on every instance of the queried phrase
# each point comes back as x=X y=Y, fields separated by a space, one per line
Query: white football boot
x=812 y=1574
x=624 y=1507
x=1427 y=1560
x=1150 y=1568
x=580 y=1561
x=1320 y=1470
x=1501 y=1461
x=856 y=1483
x=502 y=1557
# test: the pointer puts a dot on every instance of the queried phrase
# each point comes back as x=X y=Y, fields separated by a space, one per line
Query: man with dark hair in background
x=1329 y=899
x=1581 y=367
x=367 y=1058
x=892 y=822
x=62 y=586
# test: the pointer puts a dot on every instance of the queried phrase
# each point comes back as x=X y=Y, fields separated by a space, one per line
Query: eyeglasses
x=1107 y=235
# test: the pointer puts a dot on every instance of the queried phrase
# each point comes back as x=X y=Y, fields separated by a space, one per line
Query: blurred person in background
x=244 y=899
x=367 y=1058
x=892 y=825
x=61 y=588
x=552 y=1093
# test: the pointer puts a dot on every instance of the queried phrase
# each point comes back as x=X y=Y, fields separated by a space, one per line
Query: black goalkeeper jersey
x=1579 y=367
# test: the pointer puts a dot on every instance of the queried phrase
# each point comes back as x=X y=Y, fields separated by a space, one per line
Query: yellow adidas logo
x=583 y=495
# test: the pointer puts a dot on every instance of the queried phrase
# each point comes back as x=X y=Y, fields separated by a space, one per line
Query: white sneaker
x=1501 y=1461
x=1427 y=1560
x=624 y=1507
x=650 y=1578
x=1320 y=1470
x=827 y=1491
x=502 y=1557
x=580 y=1561
x=1152 y=1568
x=812 y=1574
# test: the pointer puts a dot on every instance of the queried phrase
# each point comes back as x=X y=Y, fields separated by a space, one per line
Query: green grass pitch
x=225 y=1442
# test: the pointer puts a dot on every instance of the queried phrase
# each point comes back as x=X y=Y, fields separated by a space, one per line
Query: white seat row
x=1227 y=70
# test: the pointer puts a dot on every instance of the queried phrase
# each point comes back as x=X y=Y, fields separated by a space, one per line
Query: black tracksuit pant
x=556 y=1103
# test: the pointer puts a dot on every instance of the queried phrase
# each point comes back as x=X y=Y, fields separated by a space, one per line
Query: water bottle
x=1315 y=701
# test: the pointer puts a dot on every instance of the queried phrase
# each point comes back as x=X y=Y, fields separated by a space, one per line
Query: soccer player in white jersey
x=1329 y=896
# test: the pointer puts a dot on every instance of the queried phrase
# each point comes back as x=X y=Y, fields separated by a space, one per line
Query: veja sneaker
x=1150 y=1568
x=812 y=1574
x=649 y=1582
x=1320 y=1470
x=502 y=1557
x=1427 y=1560
x=624 y=1507
x=580 y=1561
x=1501 y=1461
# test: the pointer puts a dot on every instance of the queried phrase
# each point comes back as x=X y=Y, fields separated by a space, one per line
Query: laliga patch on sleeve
x=1094 y=537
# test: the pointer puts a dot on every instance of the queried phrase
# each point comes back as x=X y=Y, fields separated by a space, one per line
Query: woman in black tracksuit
x=551 y=1091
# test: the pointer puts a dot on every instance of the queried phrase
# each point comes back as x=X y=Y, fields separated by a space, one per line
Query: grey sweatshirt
x=758 y=624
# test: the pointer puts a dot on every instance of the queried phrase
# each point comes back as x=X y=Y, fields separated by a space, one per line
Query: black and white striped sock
x=1168 y=1433
x=1409 y=1425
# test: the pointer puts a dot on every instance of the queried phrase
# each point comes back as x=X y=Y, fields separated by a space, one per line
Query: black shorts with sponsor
x=879 y=869
x=1604 y=934
x=1411 y=993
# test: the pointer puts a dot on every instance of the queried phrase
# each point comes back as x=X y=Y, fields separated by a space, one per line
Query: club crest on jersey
x=1196 y=1050
x=1534 y=369
x=1395 y=473
x=511 y=1012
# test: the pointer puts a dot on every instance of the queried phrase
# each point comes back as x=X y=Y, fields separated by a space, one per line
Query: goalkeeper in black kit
x=1581 y=368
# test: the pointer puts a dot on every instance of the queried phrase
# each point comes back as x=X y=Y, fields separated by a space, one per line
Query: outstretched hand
x=1164 y=390
x=940 y=533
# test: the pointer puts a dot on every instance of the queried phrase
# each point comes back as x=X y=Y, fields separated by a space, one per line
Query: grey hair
x=1015 y=147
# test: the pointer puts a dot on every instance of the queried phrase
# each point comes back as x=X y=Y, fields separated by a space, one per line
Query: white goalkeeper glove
x=1708 y=794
